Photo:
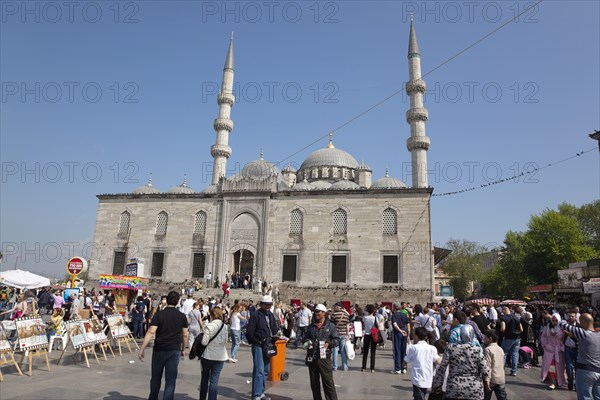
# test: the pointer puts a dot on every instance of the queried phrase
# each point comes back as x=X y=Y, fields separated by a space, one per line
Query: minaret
x=223 y=124
x=418 y=142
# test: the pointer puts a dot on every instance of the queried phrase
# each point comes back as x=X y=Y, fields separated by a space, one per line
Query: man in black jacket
x=260 y=331
x=321 y=337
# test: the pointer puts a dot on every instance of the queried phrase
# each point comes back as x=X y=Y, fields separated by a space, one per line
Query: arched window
x=339 y=222
x=161 y=223
x=200 y=223
x=390 y=222
x=296 y=222
x=124 y=222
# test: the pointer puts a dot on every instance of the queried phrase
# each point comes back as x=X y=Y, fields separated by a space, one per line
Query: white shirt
x=422 y=357
x=493 y=314
x=235 y=322
x=187 y=306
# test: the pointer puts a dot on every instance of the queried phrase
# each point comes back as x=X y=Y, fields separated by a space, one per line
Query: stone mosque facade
x=327 y=231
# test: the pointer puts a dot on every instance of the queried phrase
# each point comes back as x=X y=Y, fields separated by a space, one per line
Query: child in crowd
x=494 y=355
x=422 y=357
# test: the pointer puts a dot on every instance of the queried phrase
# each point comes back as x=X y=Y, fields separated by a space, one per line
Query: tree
x=508 y=277
x=553 y=240
x=589 y=219
x=463 y=265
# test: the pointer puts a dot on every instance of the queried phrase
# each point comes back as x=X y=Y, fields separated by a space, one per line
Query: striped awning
x=483 y=301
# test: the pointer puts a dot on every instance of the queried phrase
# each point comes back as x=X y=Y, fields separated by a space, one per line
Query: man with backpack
x=510 y=327
x=137 y=318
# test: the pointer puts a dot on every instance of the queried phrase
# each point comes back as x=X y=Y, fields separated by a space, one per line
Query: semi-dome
x=304 y=185
x=182 y=189
x=147 y=188
x=344 y=185
x=259 y=170
x=321 y=185
x=387 y=182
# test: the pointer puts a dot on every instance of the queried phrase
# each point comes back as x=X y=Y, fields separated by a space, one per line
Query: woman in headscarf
x=553 y=362
x=467 y=369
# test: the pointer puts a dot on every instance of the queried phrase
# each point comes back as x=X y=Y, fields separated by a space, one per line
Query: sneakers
x=233 y=360
x=396 y=372
x=552 y=386
x=513 y=374
x=403 y=370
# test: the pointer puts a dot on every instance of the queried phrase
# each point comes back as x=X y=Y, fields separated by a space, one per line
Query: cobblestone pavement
x=126 y=378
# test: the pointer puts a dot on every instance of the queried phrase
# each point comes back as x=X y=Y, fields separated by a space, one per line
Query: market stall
x=23 y=279
x=124 y=288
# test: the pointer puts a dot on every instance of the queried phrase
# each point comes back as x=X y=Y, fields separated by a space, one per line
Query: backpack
x=140 y=307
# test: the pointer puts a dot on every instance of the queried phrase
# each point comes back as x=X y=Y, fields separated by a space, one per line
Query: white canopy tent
x=22 y=279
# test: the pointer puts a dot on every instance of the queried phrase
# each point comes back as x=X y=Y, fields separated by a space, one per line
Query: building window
x=390 y=269
x=290 y=264
x=119 y=263
x=296 y=222
x=198 y=265
x=158 y=260
x=338 y=269
x=124 y=222
x=200 y=223
x=339 y=222
x=161 y=223
x=390 y=222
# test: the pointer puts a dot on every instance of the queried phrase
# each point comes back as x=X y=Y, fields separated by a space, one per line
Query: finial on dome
x=184 y=184
x=330 y=145
x=262 y=154
x=387 y=174
x=150 y=180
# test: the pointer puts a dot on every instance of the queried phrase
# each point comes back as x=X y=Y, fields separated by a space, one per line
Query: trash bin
x=277 y=372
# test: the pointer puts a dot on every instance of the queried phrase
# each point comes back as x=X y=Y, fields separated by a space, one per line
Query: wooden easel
x=105 y=344
x=42 y=351
x=85 y=350
x=125 y=340
x=5 y=360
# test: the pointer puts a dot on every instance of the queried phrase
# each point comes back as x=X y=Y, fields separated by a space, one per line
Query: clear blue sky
x=123 y=89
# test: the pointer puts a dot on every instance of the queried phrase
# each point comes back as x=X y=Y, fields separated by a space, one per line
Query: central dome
x=329 y=157
x=259 y=170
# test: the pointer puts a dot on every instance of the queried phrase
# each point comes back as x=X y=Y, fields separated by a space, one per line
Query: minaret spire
x=418 y=142
x=330 y=145
x=223 y=125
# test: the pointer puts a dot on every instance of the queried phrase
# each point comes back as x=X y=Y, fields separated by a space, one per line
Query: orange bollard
x=277 y=372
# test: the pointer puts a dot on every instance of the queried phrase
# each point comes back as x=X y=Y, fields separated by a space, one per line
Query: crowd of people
x=453 y=350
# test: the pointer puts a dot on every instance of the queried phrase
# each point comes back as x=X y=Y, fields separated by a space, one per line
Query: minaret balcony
x=223 y=124
x=418 y=143
x=220 y=150
x=415 y=86
x=417 y=114
x=226 y=98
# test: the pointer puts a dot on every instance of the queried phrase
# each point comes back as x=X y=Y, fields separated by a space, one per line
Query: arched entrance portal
x=243 y=261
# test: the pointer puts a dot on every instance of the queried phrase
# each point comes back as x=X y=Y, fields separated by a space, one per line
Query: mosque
x=326 y=231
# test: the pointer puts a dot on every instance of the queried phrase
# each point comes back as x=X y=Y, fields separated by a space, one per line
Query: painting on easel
x=94 y=330
x=4 y=343
x=31 y=333
x=76 y=332
x=117 y=325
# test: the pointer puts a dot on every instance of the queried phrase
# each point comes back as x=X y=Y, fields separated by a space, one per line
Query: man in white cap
x=321 y=337
x=261 y=329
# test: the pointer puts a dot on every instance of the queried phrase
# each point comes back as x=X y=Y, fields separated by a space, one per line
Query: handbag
x=269 y=349
x=350 y=350
x=198 y=348
x=375 y=335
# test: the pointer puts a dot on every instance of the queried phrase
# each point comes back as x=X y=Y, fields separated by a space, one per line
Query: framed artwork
x=94 y=331
x=117 y=326
x=4 y=343
x=76 y=331
x=31 y=333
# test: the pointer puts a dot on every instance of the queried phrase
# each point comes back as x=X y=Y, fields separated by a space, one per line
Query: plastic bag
x=350 y=350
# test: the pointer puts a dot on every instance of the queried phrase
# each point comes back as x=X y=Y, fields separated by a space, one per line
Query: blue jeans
x=138 y=328
x=570 y=360
x=167 y=361
x=334 y=354
x=211 y=370
x=236 y=338
x=511 y=346
x=588 y=384
x=400 y=342
x=260 y=370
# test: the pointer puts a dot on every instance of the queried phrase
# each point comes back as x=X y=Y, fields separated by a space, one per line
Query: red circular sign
x=75 y=265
